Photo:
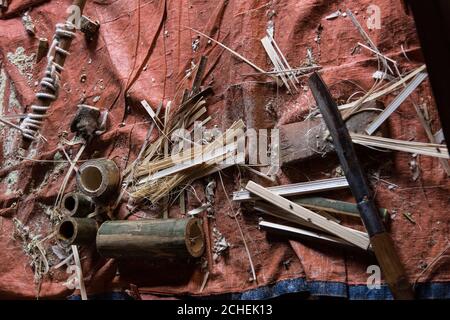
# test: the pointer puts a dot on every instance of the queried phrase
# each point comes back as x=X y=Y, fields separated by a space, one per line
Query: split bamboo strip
x=192 y=162
x=303 y=70
x=366 y=37
x=284 y=61
x=191 y=153
x=79 y=272
x=396 y=103
x=12 y=125
x=426 y=149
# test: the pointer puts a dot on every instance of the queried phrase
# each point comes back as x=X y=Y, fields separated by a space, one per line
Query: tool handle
x=391 y=266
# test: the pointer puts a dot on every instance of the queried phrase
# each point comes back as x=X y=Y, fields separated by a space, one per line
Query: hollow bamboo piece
x=98 y=178
x=77 y=231
x=78 y=205
x=151 y=239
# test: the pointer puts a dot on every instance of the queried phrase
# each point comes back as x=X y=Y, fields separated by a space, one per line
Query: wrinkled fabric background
x=142 y=52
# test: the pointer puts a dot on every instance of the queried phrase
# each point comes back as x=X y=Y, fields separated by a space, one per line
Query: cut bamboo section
x=98 y=178
x=78 y=205
x=77 y=231
x=151 y=239
x=426 y=149
x=358 y=240
x=297 y=188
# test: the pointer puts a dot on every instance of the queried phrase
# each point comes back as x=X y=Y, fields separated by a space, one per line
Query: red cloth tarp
x=143 y=51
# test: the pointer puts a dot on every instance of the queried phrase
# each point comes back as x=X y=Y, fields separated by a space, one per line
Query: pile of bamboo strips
x=293 y=212
x=320 y=224
x=156 y=179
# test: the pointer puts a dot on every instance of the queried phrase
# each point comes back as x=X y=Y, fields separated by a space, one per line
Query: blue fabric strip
x=430 y=290
x=272 y=291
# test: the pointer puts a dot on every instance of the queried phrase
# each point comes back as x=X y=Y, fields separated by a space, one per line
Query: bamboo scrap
x=149 y=110
x=296 y=71
x=426 y=149
x=369 y=41
x=79 y=272
x=191 y=163
x=361 y=241
x=3 y=4
x=439 y=136
x=9 y=123
x=280 y=63
x=199 y=75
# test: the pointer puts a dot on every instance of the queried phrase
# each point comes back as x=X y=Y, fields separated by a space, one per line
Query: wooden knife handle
x=392 y=268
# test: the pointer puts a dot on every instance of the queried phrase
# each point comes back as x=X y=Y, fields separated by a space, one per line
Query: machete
x=380 y=239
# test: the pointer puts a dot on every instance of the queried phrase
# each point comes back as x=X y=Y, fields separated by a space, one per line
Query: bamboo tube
x=151 y=239
x=98 y=178
x=77 y=231
x=78 y=205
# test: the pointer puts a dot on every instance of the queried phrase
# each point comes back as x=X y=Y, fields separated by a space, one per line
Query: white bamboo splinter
x=303 y=233
x=297 y=188
x=332 y=227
